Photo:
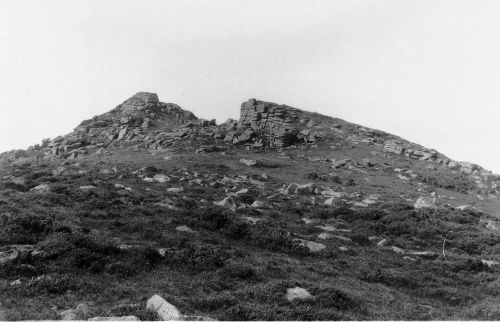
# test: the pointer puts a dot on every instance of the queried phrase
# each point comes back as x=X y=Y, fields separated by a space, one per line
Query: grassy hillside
x=107 y=234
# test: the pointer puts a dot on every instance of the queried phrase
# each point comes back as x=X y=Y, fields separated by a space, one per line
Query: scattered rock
x=165 y=310
x=308 y=221
x=257 y=204
x=161 y=178
x=425 y=202
x=297 y=293
x=313 y=246
x=382 y=243
x=249 y=162
x=185 y=229
x=175 y=190
x=87 y=188
x=81 y=312
x=16 y=283
x=227 y=202
x=41 y=188
x=489 y=263
x=397 y=250
x=402 y=177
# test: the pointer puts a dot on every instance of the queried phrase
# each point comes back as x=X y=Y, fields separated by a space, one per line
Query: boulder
x=161 y=178
x=297 y=293
x=227 y=202
x=312 y=246
x=257 y=204
x=41 y=188
x=87 y=188
x=185 y=229
x=165 y=310
x=248 y=162
x=307 y=189
x=425 y=202
x=175 y=190
x=81 y=312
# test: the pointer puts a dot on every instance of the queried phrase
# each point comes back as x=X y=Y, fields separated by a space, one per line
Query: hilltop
x=281 y=214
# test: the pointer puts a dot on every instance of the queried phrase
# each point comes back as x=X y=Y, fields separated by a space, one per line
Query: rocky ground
x=147 y=212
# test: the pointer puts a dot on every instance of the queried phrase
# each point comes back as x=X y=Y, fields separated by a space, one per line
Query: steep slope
x=282 y=214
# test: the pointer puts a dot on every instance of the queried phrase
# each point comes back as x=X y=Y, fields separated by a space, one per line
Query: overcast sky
x=428 y=71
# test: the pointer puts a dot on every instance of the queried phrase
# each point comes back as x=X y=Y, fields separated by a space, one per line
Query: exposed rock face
x=409 y=150
x=278 y=123
x=130 y=123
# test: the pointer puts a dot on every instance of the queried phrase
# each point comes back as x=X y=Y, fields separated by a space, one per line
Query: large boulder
x=165 y=310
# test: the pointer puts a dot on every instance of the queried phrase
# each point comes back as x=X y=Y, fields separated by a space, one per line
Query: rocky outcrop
x=141 y=118
x=269 y=124
x=409 y=150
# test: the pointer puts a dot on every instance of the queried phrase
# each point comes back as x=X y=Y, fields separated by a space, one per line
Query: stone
x=340 y=163
x=87 y=188
x=327 y=228
x=115 y=318
x=402 y=177
x=491 y=225
x=81 y=312
x=185 y=229
x=382 y=243
x=165 y=310
x=16 y=283
x=397 y=250
x=394 y=146
x=425 y=202
x=307 y=189
x=313 y=246
x=175 y=190
x=227 y=202
x=297 y=293
x=161 y=178
x=465 y=207
x=489 y=263
x=249 y=162
x=257 y=204
x=308 y=221
x=41 y=188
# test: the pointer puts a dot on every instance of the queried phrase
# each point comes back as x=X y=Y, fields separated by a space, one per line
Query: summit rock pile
x=143 y=122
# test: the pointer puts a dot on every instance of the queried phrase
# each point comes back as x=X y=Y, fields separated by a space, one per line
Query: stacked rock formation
x=477 y=173
x=269 y=124
x=130 y=123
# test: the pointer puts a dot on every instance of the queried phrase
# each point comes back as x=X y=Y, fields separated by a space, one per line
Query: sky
x=428 y=71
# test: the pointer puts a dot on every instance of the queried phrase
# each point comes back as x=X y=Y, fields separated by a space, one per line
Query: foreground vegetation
x=113 y=248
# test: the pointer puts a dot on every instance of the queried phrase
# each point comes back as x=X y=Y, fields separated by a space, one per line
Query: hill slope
x=225 y=220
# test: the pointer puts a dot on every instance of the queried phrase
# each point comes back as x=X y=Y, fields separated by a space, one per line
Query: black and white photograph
x=249 y=160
